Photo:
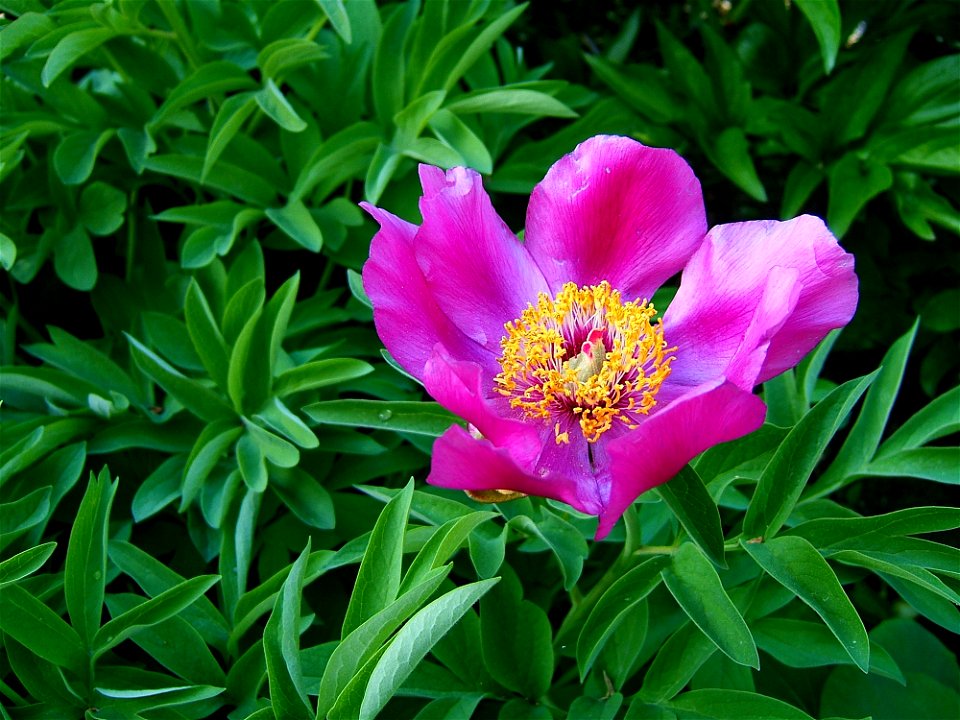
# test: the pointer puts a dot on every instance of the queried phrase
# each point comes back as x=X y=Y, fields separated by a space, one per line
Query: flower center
x=584 y=357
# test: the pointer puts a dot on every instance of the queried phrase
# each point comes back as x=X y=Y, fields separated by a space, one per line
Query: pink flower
x=547 y=346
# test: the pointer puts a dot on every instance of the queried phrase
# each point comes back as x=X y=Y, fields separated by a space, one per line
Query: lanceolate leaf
x=85 y=571
x=379 y=576
x=157 y=609
x=784 y=477
x=281 y=646
x=37 y=627
x=414 y=641
x=696 y=586
x=25 y=563
x=864 y=437
x=361 y=644
x=797 y=565
x=613 y=607
x=696 y=511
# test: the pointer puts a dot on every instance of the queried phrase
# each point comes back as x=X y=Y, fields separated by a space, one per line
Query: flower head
x=575 y=388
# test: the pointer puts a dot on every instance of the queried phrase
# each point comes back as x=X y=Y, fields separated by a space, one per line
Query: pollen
x=584 y=359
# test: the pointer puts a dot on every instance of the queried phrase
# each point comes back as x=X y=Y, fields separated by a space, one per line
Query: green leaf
x=348 y=147
x=640 y=86
x=275 y=449
x=590 y=708
x=516 y=640
x=452 y=131
x=456 y=53
x=519 y=101
x=384 y=164
x=70 y=49
x=613 y=608
x=676 y=662
x=802 y=644
x=159 y=489
x=214 y=440
x=85 y=568
x=689 y=500
x=320 y=373
x=851 y=100
x=852 y=183
x=276 y=317
x=686 y=72
x=155 y=577
x=939 y=464
x=157 y=609
x=730 y=152
x=272 y=101
x=864 y=438
x=173 y=643
x=378 y=579
x=206 y=81
x=8 y=252
x=918 y=576
x=787 y=472
x=230 y=117
x=362 y=643
x=695 y=585
x=796 y=564
x=450 y=708
x=337 y=15
x=25 y=563
x=297 y=222
x=281 y=647
x=101 y=208
x=801 y=182
x=307 y=498
x=38 y=628
x=197 y=398
x=827 y=533
x=441 y=546
x=240 y=362
x=562 y=538
x=24 y=30
x=824 y=18
x=389 y=62
x=225 y=177
x=740 y=704
x=74 y=260
x=252 y=464
x=276 y=416
x=24 y=513
x=205 y=334
x=76 y=155
x=419 y=418
x=414 y=641
x=286 y=54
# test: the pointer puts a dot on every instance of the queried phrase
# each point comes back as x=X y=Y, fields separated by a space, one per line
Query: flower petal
x=460 y=386
x=479 y=272
x=615 y=210
x=407 y=318
x=755 y=298
x=464 y=463
x=667 y=440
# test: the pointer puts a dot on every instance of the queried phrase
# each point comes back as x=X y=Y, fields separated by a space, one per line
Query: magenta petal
x=670 y=438
x=406 y=316
x=615 y=210
x=479 y=272
x=464 y=463
x=460 y=386
x=755 y=298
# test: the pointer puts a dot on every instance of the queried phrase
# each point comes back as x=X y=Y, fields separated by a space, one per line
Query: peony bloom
x=549 y=348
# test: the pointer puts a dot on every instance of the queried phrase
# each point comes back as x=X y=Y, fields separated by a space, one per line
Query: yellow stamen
x=597 y=385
